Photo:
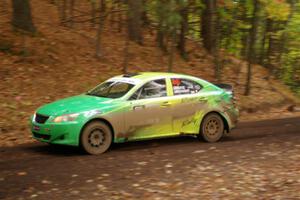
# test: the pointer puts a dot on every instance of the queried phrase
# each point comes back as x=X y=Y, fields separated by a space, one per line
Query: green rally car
x=137 y=106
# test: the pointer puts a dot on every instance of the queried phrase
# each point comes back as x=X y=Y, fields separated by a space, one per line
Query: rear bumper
x=57 y=133
x=233 y=115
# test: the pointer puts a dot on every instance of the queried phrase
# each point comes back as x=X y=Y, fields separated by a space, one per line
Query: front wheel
x=96 y=138
x=212 y=128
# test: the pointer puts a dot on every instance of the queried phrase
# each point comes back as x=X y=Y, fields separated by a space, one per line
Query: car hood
x=75 y=104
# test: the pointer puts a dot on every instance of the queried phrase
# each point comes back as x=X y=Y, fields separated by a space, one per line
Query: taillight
x=234 y=99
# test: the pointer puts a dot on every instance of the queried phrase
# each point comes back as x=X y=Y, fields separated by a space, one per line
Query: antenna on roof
x=128 y=75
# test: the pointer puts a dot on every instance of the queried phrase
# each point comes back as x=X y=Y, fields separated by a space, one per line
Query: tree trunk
x=126 y=51
x=100 y=29
x=72 y=4
x=52 y=2
x=64 y=10
x=171 y=51
x=226 y=31
x=183 y=31
x=134 y=20
x=245 y=45
x=126 y=55
x=208 y=25
x=103 y=6
x=209 y=32
x=160 y=37
x=261 y=59
x=112 y=15
x=22 y=18
x=120 y=16
x=145 y=19
x=269 y=30
x=251 y=52
x=216 y=50
x=93 y=12
x=274 y=49
x=244 y=31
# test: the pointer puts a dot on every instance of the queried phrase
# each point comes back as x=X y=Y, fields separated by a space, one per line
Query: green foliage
x=279 y=25
x=276 y=10
x=166 y=12
x=291 y=58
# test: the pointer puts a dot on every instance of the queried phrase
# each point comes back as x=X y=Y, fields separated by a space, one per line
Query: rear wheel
x=212 y=128
x=96 y=138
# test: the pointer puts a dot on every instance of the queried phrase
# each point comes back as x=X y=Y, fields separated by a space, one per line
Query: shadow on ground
x=244 y=131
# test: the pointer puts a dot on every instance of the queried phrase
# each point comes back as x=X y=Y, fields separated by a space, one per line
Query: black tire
x=96 y=138
x=212 y=128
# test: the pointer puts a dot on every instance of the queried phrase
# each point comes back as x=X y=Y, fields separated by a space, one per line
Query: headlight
x=66 y=118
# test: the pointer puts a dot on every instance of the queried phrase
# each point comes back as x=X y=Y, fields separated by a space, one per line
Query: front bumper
x=66 y=133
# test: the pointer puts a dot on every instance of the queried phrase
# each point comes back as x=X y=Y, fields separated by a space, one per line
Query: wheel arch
x=226 y=125
x=98 y=120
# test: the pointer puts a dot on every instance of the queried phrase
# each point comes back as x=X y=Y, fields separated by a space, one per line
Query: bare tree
x=100 y=29
x=160 y=37
x=210 y=33
x=126 y=49
x=120 y=16
x=93 y=12
x=64 y=10
x=171 y=51
x=216 y=48
x=208 y=25
x=22 y=18
x=72 y=4
x=134 y=20
x=126 y=55
x=251 y=51
x=183 y=31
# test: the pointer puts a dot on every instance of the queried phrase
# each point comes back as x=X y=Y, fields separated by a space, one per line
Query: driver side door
x=149 y=113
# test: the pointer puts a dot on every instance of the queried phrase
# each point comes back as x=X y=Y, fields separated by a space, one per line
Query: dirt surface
x=259 y=160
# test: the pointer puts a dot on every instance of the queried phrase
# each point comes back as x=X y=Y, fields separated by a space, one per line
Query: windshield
x=111 y=89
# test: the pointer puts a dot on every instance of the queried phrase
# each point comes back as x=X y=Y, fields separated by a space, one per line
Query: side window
x=152 y=89
x=185 y=86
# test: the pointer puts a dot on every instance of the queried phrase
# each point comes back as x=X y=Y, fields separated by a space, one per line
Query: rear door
x=149 y=113
x=188 y=105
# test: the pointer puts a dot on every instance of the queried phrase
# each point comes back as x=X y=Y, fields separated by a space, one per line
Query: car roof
x=142 y=76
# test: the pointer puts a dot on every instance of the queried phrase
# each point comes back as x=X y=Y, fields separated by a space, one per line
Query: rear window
x=185 y=86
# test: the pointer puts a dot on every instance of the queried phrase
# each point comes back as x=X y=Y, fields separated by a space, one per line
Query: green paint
x=134 y=119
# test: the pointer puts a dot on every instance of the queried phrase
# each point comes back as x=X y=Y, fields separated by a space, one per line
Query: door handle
x=165 y=104
x=202 y=99
x=139 y=107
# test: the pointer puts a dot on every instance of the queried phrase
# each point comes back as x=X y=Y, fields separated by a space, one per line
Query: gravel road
x=259 y=160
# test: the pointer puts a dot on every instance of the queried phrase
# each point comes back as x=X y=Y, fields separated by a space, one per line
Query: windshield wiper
x=96 y=95
x=92 y=94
